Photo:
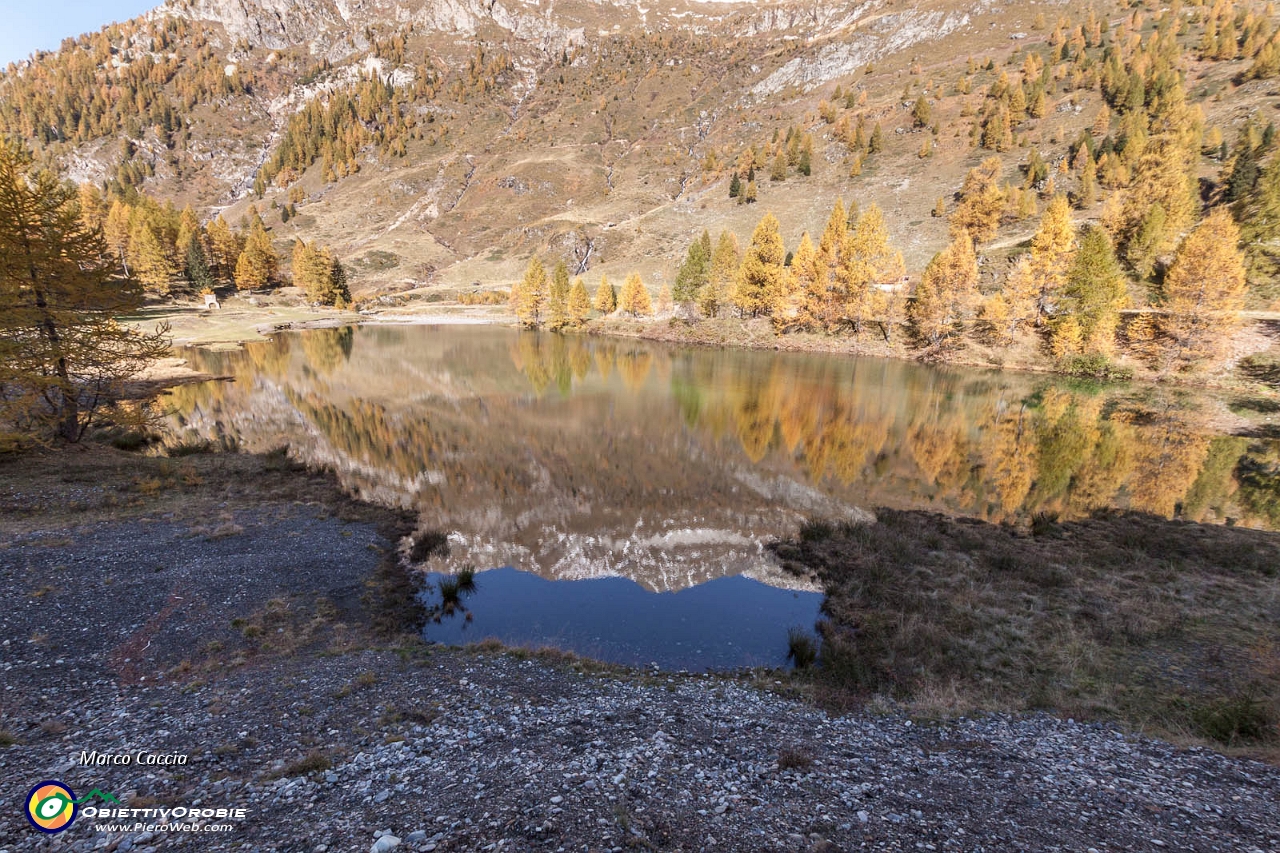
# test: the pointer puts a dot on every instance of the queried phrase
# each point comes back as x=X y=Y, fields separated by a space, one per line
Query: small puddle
x=723 y=624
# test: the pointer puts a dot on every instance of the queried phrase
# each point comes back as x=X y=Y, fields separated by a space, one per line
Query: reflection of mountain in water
x=580 y=458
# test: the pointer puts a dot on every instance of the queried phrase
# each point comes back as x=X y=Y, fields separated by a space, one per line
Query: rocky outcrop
x=840 y=58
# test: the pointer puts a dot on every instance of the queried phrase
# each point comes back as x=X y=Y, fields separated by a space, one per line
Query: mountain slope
x=442 y=142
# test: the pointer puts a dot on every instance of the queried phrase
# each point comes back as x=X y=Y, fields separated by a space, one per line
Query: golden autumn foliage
x=64 y=358
x=1203 y=291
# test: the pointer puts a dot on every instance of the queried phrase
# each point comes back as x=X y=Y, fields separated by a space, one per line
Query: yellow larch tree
x=606 y=297
x=1204 y=292
x=762 y=273
x=634 y=299
x=579 y=303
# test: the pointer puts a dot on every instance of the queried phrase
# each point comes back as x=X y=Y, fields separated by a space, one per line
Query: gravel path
x=237 y=641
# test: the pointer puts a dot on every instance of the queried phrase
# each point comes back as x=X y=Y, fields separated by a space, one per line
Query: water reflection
x=725 y=623
x=582 y=458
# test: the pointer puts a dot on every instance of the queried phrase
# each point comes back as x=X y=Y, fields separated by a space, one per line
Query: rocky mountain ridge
x=587 y=129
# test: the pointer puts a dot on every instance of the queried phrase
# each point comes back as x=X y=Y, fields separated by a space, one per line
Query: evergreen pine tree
x=1261 y=223
x=694 y=272
x=1095 y=292
x=198 y=273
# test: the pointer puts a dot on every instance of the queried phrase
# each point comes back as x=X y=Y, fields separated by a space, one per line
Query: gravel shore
x=462 y=751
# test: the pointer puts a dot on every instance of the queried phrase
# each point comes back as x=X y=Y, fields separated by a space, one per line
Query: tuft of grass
x=467 y=580
x=794 y=758
x=1095 y=367
x=130 y=441
x=1043 y=523
x=802 y=648
x=817 y=530
x=313 y=762
x=189 y=447
x=7 y=739
x=426 y=545
x=1241 y=718
x=450 y=593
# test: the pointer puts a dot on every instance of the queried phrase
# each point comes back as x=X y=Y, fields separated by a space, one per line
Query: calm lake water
x=572 y=459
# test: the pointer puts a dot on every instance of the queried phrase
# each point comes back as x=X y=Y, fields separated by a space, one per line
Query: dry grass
x=313 y=762
x=1170 y=626
x=792 y=758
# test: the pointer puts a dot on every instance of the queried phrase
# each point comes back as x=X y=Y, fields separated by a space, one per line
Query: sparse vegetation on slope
x=1166 y=625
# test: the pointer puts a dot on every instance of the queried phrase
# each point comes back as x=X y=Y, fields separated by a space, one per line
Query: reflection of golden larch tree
x=1065 y=435
x=605 y=359
x=634 y=367
x=532 y=360
x=580 y=359
x=1009 y=451
x=1167 y=459
x=939 y=449
x=754 y=421
x=327 y=349
x=1100 y=478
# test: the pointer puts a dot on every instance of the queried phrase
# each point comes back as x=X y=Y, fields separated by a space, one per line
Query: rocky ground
x=184 y=623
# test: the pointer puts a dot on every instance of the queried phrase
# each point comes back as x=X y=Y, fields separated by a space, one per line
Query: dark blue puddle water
x=725 y=623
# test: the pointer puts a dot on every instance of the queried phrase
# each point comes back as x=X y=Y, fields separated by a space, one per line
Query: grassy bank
x=1257 y=347
x=1169 y=626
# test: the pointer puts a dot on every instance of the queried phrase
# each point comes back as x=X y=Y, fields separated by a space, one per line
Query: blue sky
x=31 y=25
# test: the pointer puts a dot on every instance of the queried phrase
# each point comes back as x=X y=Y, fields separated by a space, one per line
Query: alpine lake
x=616 y=498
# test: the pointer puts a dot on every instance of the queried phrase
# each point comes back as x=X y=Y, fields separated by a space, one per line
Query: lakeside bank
x=249 y=627
x=1253 y=373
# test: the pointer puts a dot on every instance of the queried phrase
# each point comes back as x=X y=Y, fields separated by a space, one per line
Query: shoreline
x=711 y=334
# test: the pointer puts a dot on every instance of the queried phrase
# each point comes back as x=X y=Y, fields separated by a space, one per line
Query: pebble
x=385 y=843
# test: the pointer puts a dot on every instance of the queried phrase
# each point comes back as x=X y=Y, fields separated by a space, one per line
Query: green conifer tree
x=1095 y=292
